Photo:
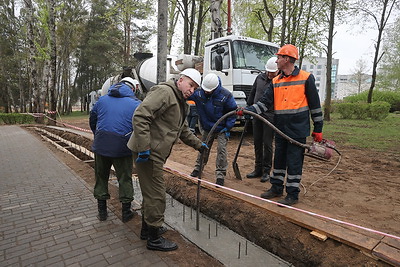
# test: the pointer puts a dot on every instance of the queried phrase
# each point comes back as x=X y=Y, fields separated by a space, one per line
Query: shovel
x=234 y=163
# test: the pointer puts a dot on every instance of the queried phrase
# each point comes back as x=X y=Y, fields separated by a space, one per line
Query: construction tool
x=234 y=163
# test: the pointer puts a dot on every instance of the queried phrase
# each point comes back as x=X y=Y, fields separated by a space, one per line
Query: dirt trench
x=275 y=234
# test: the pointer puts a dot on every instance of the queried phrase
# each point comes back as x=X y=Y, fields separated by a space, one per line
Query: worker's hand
x=240 y=112
x=227 y=134
x=203 y=147
x=226 y=131
x=143 y=156
x=317 y=136
x=251 y=108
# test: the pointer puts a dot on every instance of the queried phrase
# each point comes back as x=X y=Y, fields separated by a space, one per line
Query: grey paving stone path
x=48 y=213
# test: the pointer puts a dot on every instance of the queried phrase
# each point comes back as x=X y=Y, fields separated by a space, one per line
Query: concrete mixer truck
x=237 y=60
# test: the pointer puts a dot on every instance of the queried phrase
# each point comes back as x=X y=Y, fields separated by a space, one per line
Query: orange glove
x=317 y=136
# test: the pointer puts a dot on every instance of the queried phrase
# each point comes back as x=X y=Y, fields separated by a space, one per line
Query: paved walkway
x=48 y=213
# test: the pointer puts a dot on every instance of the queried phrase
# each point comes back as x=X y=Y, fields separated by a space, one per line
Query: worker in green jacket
x=158 y=123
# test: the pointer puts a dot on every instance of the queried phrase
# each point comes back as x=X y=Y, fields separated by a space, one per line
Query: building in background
x=317 y=66
x=351 y=85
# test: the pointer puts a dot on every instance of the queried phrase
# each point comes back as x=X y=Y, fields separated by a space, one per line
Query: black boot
x=265 y=178
x=157 y=242
x=127 y=214
x=255 y=174
x=144 y=232
x=102 y=208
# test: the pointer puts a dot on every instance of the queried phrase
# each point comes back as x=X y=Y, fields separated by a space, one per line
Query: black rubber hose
x=263 y=120
x=210 y=134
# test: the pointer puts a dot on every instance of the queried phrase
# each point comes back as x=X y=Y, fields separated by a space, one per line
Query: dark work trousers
x=152 y=184
x=221 y=162
x=263 y=136
x=123 y=171
x=192 y=118
x=288 y=158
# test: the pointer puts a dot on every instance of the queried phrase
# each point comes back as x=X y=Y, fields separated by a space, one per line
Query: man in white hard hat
x=212 y=102
x=263 y=135
x=158 y=122
x=110 y=122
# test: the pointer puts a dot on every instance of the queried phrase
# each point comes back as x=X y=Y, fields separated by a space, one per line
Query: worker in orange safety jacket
x=294 y=96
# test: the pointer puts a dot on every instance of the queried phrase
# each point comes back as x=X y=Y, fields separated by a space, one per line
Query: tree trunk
x=271 y=19
x=162 y=40
x=327 y=106
x=283 y=29
x=185 y=26
x=199 y=28
x=31 y=58
x=302 y=43
x=173 y=19
x=53 y=66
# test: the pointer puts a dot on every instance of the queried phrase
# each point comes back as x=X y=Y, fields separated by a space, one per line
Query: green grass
x=381 y=135
x=83 y=114
x=75 y=115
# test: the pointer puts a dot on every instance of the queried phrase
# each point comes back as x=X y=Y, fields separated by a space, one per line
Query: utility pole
x=162 y=48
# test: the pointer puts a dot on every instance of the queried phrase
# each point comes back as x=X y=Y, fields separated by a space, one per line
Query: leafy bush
x=378 y=110
x=362 y=110
x=392 y=97
x=346 y=110
x=16 y=118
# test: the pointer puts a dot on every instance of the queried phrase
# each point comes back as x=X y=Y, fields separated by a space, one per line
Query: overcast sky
x=349 y=45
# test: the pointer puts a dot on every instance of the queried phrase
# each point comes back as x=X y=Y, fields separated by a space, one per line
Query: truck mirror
x=218 y=62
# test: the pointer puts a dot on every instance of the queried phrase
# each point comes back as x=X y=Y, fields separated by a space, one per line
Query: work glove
x=250 y=108
x=203 y=147
x=317 y=136
x=143 y=156
x=239 y=111
x=227 y=132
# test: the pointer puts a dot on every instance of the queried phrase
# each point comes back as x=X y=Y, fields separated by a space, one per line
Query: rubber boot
x=102 y=208
x=144 y=232
x=127 y=214
x=157 y=242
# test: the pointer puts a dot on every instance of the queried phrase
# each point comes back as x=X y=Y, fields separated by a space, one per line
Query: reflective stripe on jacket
x=290 y=93
x=293 y=97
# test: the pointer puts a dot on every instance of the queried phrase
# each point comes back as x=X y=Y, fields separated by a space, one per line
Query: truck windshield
x=248 y=55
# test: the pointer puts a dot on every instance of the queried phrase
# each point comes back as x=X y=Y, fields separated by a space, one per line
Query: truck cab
x=237 y=60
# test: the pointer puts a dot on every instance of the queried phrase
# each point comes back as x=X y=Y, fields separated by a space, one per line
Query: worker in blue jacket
x=111 y=123
x=212 y=102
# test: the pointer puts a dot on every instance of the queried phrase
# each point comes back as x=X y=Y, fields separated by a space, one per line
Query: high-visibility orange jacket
x=293 y=98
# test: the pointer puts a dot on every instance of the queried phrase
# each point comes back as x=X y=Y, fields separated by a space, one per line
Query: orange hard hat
x=288 y=50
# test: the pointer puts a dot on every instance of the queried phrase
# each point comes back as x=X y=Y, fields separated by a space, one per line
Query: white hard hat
x=271 y=65
x=192 y=74
x=210 y=82
x=132 y=83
